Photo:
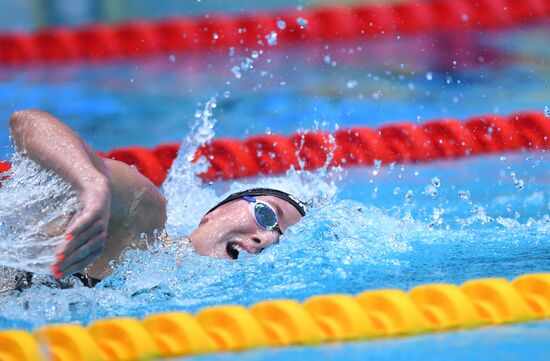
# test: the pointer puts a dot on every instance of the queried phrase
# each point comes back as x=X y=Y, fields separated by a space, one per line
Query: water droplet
x=547 y=111
x=408 y=197
x=518 y=183
x=302 y=22
x=231 y=51
x=430 y=190
x=436 y=182
x=377 y=163
x=396 y=191
x=327 y=59
x=429 y=75
x=351 y=84
x=465 y=195
x=247 y=64
x=215 y=36
x=271 y=38
x=172 y=58
x=236 y=72
x=226 y=94
x=281 y=24
x=254 y=54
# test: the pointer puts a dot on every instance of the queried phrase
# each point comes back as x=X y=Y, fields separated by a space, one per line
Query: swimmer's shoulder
x=135 y=199
x=137 y=208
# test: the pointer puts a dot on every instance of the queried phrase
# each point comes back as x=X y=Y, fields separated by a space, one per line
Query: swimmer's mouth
x=233 y=250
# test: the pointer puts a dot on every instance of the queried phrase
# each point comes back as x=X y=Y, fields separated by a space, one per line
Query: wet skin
x=118 y=204
x=233 y=224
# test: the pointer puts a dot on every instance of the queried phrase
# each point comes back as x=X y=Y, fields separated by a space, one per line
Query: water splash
x=32 y=201
x=182 y=184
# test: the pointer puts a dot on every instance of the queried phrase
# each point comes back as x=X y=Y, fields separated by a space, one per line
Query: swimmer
x=118 y=205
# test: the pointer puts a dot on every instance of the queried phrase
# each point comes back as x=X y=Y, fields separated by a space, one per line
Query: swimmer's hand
x=87 y=233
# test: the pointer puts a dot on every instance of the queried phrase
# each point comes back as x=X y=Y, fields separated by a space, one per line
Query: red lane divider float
x=217 y=31
x=399 y=142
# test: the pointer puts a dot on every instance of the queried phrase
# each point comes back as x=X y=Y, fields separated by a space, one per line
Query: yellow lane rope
x=279 y=323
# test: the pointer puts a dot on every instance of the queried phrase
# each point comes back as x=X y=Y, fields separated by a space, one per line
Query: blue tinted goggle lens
x=265 y=215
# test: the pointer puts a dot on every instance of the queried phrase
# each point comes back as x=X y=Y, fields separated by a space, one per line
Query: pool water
x=384 y=226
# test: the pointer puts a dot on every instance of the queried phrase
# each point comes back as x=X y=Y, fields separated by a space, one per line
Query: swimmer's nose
x=263 y=240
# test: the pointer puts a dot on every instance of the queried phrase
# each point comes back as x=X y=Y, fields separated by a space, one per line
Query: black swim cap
x=254 y=192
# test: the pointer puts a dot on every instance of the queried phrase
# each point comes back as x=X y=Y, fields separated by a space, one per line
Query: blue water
x=463 y=219
x=502 y=343
x=110 y=105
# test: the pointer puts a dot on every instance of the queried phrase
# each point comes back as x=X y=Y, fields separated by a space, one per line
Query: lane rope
x=333 y=318
x=337 y=22
x=401 y=142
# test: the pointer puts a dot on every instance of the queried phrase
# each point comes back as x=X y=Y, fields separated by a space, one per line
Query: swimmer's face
x=231 y=228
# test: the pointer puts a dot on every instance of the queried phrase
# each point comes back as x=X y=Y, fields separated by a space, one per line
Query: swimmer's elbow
x=20 y=119
x=17 y=119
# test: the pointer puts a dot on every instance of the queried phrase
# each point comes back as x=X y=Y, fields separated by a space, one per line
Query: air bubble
x=436 y=182
x=351 y=84
x=281 y=24
x=429 y=75
x=547 y=111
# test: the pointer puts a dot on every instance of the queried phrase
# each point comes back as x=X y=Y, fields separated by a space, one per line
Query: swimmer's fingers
x=81 y=222
x=79 y=266
x=81 y=231
x=82 y=256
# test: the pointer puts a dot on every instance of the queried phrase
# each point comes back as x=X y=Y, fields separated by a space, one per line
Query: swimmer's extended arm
x=99 y=182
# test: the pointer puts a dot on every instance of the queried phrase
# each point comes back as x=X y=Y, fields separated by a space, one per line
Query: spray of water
x=33 y=202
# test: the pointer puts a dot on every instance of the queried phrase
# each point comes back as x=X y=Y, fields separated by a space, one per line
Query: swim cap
x=254 y=192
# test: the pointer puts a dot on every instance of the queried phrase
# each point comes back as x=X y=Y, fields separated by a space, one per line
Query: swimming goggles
x=264 y=214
